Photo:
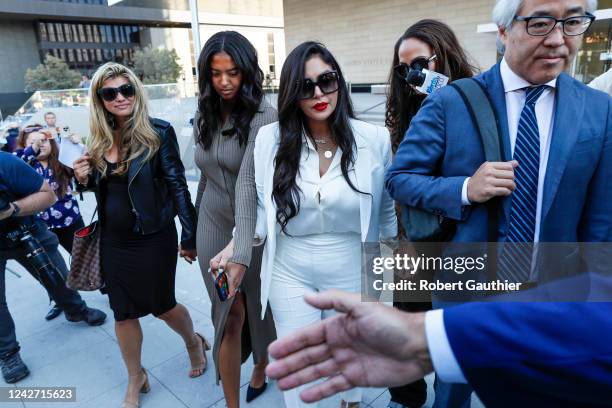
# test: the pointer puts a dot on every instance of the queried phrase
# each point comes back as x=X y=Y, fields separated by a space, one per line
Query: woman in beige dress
x=231 y=109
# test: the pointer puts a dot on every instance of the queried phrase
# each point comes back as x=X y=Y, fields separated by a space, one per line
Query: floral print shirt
x=65 y=211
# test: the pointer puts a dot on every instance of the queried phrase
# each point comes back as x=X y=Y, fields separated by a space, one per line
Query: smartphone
x=221 y=285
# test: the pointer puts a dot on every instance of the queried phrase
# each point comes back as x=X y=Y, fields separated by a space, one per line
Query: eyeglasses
x=541 y=26
x=418 y=64
x=327 y=83
x=110 y=94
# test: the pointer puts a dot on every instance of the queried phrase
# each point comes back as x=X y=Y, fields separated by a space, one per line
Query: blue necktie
x=515 y=259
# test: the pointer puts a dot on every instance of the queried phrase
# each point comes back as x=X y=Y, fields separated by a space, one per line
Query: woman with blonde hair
x=133 y=165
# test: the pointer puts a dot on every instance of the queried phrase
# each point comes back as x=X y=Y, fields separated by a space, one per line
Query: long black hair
x=249 y=96
x=451 y=60
x=285 y=191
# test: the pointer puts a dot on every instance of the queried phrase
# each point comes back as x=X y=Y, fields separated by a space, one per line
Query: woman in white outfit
x=319 y=175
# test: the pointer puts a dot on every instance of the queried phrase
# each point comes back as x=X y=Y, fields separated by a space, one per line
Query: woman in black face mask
x=429 y=45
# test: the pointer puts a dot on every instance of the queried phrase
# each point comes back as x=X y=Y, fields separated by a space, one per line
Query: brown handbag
x=85 y=271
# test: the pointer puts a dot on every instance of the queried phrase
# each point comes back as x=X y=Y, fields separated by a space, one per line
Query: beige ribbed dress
x=227 y=196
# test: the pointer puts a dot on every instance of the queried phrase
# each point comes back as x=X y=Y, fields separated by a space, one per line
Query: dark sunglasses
x=418 y=64
x=110 y=94
x=327 y=83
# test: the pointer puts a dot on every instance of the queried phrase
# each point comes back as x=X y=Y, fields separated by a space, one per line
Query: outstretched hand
x=366 y=345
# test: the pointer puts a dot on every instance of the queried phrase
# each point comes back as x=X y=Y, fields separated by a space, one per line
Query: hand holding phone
x=221 y=284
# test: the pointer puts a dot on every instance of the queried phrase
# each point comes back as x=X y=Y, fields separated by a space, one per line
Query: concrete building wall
x=18 y=52
x=361 y=33
x=269 y=8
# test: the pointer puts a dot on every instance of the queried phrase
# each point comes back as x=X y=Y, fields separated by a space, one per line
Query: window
x=42 y=31
x=595 y=56
x=89 y=32
x=82 y=37
x=59 y=32
x=68 y=32
x=271 y=56
x=51 y=32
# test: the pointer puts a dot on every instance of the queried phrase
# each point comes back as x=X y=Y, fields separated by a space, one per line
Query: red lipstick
x=321 y=106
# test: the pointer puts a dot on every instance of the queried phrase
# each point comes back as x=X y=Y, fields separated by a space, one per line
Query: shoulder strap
x=93 y=215
x=483 y=115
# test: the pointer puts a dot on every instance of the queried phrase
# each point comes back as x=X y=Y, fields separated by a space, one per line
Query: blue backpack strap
x=477 y=101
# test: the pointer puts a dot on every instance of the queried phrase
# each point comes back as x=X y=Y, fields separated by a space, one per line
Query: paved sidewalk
x=60 y=353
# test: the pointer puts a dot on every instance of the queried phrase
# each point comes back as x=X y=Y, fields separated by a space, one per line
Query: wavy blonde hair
x=137 y=134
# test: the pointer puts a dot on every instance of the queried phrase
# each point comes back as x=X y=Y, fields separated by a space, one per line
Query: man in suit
x=515 y=354
x=555 y=180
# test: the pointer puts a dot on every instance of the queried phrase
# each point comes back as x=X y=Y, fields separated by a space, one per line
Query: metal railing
x=166 y=101
x=62 y=98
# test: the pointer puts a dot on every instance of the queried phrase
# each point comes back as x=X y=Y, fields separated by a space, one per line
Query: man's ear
x=501 y=33
x=501 y=40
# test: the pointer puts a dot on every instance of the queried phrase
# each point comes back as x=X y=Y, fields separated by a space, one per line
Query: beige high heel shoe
x=144 y=388
x=205 y=347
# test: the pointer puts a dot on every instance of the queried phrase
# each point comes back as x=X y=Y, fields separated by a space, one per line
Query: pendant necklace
x=327 y=153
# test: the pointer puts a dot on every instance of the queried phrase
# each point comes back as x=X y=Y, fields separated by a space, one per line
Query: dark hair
x=285 y=191
x=249 y=96
x=50 y=113
x=61 y=173
x=24 y=132
x=451 y=60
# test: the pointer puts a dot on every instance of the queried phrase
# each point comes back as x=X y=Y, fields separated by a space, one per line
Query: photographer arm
x=33 y=203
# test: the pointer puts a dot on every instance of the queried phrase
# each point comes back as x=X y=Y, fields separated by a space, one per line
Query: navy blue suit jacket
x=442 y=148
x=542 y=355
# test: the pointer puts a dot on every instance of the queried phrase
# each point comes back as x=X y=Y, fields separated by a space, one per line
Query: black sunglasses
x=110 y=94
x=418 y=64
x=327 y=83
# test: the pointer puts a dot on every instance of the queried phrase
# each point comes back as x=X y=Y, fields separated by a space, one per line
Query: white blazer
x=377 y=211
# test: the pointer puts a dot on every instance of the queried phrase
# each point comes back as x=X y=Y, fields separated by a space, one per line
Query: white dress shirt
x=444 y=361
x=327 y=203
x=544 y=109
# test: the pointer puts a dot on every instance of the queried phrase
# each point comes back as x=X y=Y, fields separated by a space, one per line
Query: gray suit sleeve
x=246 y=193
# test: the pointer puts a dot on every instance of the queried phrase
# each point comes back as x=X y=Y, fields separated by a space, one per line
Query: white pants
x=307 y=264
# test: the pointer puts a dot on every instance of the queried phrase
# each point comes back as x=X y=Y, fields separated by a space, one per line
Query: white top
x=544 y=109
x=444 y=361
x=327 y=203
x=603 y=82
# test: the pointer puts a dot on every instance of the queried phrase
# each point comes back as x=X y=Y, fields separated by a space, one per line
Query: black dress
x=138 y=270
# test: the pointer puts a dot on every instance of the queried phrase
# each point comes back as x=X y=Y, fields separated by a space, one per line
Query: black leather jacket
x=158 y=190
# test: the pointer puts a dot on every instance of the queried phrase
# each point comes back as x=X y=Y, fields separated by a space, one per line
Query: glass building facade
x=95 y=2
x=595 y=56
x=86 y=46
